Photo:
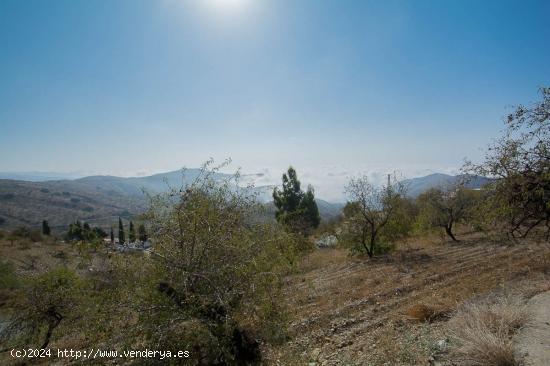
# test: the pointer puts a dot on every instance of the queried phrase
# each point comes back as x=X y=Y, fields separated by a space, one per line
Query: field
x=393 y=310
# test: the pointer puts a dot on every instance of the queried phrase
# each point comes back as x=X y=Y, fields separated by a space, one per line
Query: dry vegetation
x=393 y=310
x=483 y=331
x=429 y=300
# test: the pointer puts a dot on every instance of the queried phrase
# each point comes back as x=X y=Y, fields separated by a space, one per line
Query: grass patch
x=482 y=331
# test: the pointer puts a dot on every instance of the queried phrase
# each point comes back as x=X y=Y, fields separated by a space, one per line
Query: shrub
x=46 y=300
x=212 y=283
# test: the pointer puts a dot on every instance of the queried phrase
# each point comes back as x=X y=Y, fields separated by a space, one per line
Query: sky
x=335 y=88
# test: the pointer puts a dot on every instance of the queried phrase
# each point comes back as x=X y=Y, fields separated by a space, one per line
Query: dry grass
x=483 y=331
x=428 y=312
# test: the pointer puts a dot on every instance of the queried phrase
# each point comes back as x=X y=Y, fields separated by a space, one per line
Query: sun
x=228 y=4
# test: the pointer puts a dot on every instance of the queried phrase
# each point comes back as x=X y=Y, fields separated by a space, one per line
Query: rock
x=326 y=241
x=441 y=345
x=315 y=353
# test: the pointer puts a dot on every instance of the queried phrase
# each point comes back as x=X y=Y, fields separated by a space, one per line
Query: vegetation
x=369 y=211
x=483 y=331
x=142 y=232
x=520 y=162
x=295 y=209
x=78 y=231
x=446 y=208
x=121 y=238
x=45 y=228
x=46 y=300
x=132 y=233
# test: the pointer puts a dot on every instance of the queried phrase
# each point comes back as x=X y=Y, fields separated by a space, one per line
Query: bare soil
x=356 y=311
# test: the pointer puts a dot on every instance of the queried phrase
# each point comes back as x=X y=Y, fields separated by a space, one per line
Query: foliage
x=8 y=277
x=142 y=233
x=83 y=232
x=45 y=301
x=371 y=214
x=132 y=233
x=45 y=228
x=520 y=162
x=212 y=282
x=26 y=233
x=121 y=238
x=296 y=209
x=445 y=208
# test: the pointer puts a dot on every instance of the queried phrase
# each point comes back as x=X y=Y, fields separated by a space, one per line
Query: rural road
x=533 y=341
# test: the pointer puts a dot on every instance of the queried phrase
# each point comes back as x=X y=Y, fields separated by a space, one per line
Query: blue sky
x=333 y=87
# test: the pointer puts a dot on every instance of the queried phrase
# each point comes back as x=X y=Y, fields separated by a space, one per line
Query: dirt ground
x=533 y=341
x=360 y=311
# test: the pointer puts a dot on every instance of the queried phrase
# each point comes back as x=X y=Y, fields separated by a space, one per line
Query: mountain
x=417 y=186
x=38 y=176
x=99 y=200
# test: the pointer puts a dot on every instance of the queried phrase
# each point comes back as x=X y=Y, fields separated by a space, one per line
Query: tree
x=445 y=208
x=45 y=228
x=520 y=163
x=121 y=239
x=132 y=233
x=369 y=210
x=295 y=209
x=142 y=233
x=112 y=235
x=75 y=231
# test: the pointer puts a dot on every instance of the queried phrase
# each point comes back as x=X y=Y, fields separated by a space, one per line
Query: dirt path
x=533 y=341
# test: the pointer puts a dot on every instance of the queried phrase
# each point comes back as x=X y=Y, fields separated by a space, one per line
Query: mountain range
x=100 y=200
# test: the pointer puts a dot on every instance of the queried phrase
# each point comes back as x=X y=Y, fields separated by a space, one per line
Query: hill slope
x=99 y=200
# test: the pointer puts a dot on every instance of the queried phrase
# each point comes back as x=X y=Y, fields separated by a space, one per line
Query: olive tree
x=369 y=210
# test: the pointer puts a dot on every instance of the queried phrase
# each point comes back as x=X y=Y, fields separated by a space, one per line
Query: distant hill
x=417 y=186
x=99 y=200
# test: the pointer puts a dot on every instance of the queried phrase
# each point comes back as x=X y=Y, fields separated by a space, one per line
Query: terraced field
x=355 y=310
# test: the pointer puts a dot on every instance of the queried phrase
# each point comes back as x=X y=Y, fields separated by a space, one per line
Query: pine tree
x=132 y=233
x=121 y=238
x=311 y=211
x=142 y=233
x=296 y=209
x=45 y=228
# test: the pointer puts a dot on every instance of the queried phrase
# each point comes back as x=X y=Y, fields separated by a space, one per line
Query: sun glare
x=227 y=4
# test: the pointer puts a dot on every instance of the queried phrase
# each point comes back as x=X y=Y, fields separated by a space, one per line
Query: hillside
x=99 y=200
x=356 y=311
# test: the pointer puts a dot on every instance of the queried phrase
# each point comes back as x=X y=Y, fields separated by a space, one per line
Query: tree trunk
x=449 y=231
x=54 y=320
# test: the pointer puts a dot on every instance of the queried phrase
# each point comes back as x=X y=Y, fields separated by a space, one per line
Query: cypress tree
x=45 y=228
x=132 y=233
x=142 y=233
x=112 y=236
x=121 y=238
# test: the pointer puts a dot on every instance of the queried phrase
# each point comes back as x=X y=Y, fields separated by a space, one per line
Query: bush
x=26 y=233
x=212 y=284
x=46 y=300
